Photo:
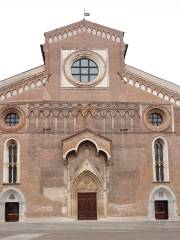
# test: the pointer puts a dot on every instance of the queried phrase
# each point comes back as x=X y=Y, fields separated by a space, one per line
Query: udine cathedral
x=85 y=136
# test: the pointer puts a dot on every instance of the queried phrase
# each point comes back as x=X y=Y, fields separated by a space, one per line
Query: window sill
x=11 y=184
x=161 y=181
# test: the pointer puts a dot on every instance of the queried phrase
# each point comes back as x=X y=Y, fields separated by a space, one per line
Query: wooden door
x=161 y=209
x=12 y=212
x=87 y=206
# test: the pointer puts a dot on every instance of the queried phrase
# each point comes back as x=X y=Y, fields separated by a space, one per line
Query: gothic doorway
x=86 y=171
x=87 y=206
x=161 y=209
x=12 y=212
x=162 y=203
x=12 y=205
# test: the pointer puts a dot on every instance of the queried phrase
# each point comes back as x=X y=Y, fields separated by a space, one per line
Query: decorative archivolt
x=146 y=87
x=91 y=30
x=86 y=180
x=73 y=142
x=22 y=88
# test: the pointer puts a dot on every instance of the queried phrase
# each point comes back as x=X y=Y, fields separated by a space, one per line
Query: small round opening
x=155 y=119
x=84 y=70
x=12 y=119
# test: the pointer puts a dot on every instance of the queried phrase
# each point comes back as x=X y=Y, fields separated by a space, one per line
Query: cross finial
x=86 y=14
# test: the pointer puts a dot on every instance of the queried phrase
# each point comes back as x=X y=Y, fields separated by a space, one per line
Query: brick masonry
x=88 y=139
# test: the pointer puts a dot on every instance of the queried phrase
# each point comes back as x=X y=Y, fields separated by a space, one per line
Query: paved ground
x=91 y=230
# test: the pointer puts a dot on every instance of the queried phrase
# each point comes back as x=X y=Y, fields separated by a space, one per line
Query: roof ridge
x=21 y=73
x=79 y=23
x=154 y=79
x=22 y=76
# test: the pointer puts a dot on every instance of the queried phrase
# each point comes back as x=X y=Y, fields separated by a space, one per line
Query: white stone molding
x=59 y=34
x=86 y=178
x=143 y=87
x=26 y=88
x=150 y=89
x=8 y=95
x=2 y=97
x=162 y=192
x=154 y=92
x=172 y=100
x=90 y=140
x=32 y=85
x=21 y=90
x=165 y=159
x=166 y=97
x=18 y=197
x=136 y=84
x=160 y=95
x=99 y=56
x=13 y=91
x=73 y=142
x=6 y=161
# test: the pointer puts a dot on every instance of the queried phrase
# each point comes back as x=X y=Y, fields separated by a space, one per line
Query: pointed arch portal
x=86 y=158
x=87 y=196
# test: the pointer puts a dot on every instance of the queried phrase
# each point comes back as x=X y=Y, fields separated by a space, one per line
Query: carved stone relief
x=69 y=118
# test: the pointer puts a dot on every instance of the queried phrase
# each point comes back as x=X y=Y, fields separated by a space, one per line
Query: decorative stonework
x=84 y=54
x=71 y=117
x=81 y=27
x=151 y=87
x=6 y=196
x=72 y=143
x=165 y=193
x=4 y=111
x=94 y=109
x=83 y=175
x=22 y=86
x=99 y=56
x=165 y=116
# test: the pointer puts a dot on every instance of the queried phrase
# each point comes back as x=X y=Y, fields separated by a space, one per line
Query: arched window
x=159 y=160
x=11 y=162
x=161 y=170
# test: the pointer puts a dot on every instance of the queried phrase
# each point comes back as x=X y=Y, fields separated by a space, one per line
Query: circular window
x=155 y=119
x=12 y=119
x=84 y=70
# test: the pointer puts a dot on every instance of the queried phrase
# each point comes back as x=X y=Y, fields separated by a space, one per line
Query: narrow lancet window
x=12 y=162
x=159 y=160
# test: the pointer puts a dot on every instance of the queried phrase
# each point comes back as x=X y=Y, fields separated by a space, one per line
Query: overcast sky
x=152 y=30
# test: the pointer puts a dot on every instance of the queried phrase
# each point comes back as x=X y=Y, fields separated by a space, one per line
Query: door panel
x=12 y=212
x=161 y=209
x=87 y=206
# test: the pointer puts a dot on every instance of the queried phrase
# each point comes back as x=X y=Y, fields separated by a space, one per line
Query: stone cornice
x=153 y=85
x=84 y=26
x=22 y=76
x=20 y=83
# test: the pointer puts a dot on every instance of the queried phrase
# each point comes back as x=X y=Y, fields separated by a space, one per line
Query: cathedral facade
x=86 y=136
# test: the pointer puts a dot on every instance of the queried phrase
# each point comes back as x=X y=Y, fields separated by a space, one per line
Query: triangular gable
x=84 y=26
